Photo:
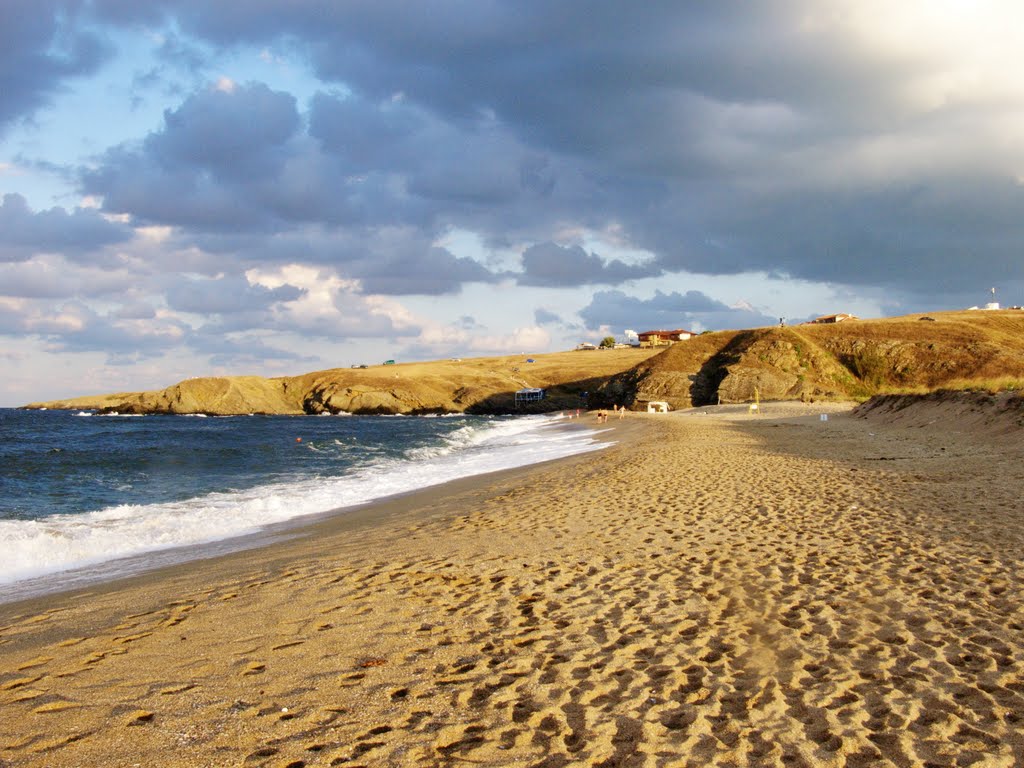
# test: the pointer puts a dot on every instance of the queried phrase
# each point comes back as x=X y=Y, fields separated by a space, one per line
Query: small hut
x=529 y=395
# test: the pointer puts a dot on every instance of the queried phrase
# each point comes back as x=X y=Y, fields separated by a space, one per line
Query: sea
x=86 y=497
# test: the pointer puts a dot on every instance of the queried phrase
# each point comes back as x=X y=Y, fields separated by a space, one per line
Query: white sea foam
x=60 y=543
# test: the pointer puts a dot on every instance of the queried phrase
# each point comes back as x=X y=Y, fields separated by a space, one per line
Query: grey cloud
x=242 y=349
x=456 y=165
x=43 y=279
x=118 y=338
x=355 y=320
x=554 y=266
x=43 y=45
x=366 y=137
x=77 y=235
x=666 y=311
x=226 y=295
x=388 y=260
x=214 y=164
x=936 y=238
x=691 y=123
x=238 y=133
x=546 y=317
x=135 y=311
x=723 y=138
x=427 y=271
x=542 y=316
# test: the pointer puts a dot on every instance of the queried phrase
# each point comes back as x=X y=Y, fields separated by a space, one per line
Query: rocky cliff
x=850 y=360
x=478 y=385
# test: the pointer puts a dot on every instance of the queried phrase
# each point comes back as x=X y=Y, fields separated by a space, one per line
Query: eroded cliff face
x=853 y=360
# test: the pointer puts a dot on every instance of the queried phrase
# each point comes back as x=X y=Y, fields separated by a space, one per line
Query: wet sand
x=717 y=589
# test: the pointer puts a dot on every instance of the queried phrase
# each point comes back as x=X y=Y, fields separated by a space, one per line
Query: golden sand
x=711 y=591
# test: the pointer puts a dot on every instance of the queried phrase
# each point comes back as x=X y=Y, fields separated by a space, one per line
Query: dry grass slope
x=850 y=360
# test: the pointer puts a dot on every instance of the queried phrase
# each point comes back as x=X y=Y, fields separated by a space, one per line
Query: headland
x=851 y=360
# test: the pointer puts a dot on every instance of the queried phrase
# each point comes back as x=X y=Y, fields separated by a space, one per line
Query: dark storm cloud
x=554 y=266
x=667 y=311
x=723 y=138
x=76 y=235
x=42 y=46
x=694 y=108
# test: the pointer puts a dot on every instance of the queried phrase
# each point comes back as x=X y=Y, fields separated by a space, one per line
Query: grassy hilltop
x=848 y=361
x=853 y=360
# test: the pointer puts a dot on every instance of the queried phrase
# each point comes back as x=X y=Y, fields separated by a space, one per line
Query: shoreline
x=280 y=542
x=91 y=576
x=710 y=590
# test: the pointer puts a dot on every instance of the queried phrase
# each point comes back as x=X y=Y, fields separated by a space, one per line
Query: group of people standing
x=602 y=415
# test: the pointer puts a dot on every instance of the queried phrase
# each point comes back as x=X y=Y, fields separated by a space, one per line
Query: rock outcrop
x=851 y=360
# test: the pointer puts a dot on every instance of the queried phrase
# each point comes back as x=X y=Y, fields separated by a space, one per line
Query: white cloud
x=332 y=305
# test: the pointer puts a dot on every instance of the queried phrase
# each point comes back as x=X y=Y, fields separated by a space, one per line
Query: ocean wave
x=62 y=542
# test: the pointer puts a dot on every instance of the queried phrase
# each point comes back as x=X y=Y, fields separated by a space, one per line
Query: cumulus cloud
x=51 y=277
x=76 y=235
x=332 y=307
x=793 y=139
x=213 y=165
x=689 y=125
x=76 y=327
x=226 y=295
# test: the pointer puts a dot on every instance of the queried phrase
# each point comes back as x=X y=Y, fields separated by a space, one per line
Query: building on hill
x=529 y=395
x=838 y=318
x=663 y=338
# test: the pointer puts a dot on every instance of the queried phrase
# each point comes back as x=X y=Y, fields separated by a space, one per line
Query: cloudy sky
x=276 y=186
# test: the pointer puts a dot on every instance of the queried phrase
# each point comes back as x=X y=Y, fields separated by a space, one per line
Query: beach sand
x=716 y=589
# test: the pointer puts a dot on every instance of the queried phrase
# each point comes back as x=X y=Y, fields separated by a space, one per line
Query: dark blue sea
x=86 y=496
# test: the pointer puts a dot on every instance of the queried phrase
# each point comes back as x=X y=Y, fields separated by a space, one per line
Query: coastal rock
x=744 y=383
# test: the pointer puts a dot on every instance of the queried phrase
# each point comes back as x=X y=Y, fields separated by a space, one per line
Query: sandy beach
x=716 y=589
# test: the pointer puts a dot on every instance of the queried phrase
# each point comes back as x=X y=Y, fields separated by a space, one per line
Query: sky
x=272 y=187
